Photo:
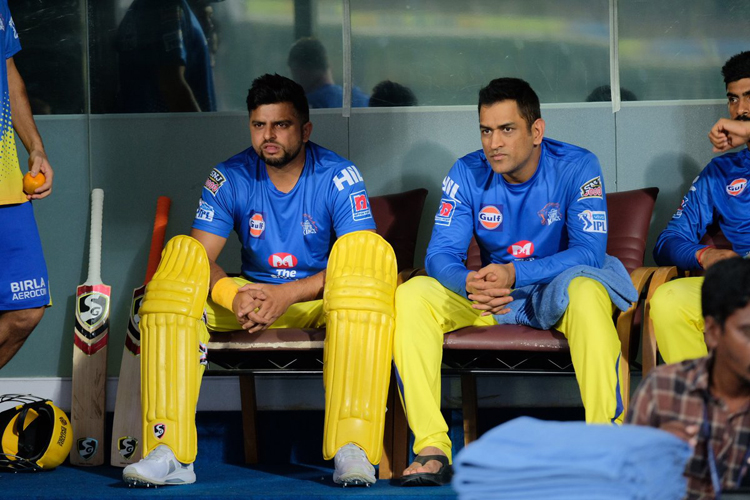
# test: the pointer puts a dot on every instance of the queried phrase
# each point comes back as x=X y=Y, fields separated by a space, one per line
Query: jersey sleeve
x=12 y=43
x=678 y=242
x=451 y=233
x=348 y=202
x=215 y=207
x=586 y=224
x=168 y=41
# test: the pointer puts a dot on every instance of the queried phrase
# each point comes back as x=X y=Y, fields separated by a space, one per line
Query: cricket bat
x=127 y=429
x=90 y=351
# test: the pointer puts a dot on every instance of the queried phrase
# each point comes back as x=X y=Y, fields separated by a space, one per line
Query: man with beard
x=717 y=195
x=288 y=200
x=706 y=401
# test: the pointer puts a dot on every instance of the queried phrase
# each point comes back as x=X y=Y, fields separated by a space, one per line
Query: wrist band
x=700 y=254
x=224 y=291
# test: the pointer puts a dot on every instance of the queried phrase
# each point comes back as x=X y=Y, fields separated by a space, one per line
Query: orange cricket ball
x=30 y=184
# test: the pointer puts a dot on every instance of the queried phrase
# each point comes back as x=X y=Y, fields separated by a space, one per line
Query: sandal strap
x=423 y=459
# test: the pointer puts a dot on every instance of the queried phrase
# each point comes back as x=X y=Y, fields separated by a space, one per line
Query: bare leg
x=15 y=328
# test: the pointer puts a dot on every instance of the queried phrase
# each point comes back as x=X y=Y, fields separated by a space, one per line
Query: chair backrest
x=629 y=214
x=397 y=219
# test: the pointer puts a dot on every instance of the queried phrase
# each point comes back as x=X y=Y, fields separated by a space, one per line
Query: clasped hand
x=257 y=305
x=490 y=287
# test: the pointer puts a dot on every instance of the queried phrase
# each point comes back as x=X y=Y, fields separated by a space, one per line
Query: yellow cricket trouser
x=678 y=320
x=300 y=315
x=425 y=311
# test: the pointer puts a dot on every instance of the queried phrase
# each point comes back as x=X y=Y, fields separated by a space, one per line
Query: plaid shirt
x=679 y=392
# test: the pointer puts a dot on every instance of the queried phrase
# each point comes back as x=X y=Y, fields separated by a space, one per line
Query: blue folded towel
x=535 y=459
x=541 y=306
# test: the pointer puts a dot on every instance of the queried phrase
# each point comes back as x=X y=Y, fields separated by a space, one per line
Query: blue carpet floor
x=292 y=466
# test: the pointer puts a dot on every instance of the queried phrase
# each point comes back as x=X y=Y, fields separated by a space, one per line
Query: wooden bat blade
x=89 y=374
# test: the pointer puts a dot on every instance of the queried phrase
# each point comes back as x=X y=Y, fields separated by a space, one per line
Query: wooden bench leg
x=249 y=414
x=469 y=405
x=400 y=437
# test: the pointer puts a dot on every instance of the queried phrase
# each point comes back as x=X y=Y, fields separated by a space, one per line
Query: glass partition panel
x=51 y=60
x=443 y=51
x=190 y=55
x=674 y=49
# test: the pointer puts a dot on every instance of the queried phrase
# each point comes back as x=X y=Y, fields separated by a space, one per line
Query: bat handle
x=95 y=239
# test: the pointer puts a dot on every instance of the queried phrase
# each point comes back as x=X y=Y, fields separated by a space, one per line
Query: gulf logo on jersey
x=282 y=260
x=736 y=187
x=521 y=249
x=491 y=217
x=257 y=225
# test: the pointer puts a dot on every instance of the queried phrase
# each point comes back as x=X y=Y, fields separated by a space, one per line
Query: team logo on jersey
x=450 y=188
x=282 y=260
x=214 y=182
x=445 y=212
x=736 y=187
x=127 y=446
x=257 y=225
x=592 y=188
x=491 y=217
x=521 y=249
x=87 y=447
x=160 y=430
x=594 y=221
x=360 y=205
x=205 y=212
x=683 y=204
x=308 y=225
x=550 y=214
x=348 y=176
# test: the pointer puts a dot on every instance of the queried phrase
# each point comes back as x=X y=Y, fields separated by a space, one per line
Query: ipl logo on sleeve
x=445 y=212
x=360 y=205
x=594 y=221
x=205 y=212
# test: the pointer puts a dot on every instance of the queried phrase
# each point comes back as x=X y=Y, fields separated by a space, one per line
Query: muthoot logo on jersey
x=28 y=289
x=282 y=260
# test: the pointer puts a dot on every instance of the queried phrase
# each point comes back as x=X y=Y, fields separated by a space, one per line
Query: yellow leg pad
x=359 y=303
x=173 y=339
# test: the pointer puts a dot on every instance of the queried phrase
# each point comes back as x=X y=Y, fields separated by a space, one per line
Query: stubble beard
x=282 y=161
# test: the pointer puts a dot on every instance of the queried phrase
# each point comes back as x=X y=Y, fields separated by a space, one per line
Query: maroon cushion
x=505 y=338
x=397 y=219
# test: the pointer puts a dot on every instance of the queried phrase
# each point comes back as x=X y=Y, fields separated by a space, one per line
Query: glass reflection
x=52 y=56
x=445 y=51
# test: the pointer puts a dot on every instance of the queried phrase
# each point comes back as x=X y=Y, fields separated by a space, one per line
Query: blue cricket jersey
x=11 y=178
x=719 y=194
x=284 y=236
x=555 y=220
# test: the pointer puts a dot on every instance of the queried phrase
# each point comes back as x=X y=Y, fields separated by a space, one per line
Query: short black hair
x=308 y=53
x=726 y=288
x=388 y=93
x=736 y=68
x=273 y=89
x=513 y=89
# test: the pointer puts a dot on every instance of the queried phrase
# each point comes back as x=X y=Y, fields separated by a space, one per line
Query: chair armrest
x=649 y=347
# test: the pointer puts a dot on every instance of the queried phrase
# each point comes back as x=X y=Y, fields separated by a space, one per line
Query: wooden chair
x=298 y=350
x=650 y=353
x=518 y=349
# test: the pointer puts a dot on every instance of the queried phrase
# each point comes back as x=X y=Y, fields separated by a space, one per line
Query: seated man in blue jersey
x=537 y=208
x=165 y=60
x=288 y=200
x=717 y=195
x=309 y=65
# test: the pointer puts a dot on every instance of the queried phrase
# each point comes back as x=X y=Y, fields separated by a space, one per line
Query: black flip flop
x=439 y=478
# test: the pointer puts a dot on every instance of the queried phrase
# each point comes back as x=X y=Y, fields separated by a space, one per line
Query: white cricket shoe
x=159 y=468
x=352 y=467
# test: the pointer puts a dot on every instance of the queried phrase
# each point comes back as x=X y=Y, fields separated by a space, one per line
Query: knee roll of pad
x=173 y=338
x=359 y=304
